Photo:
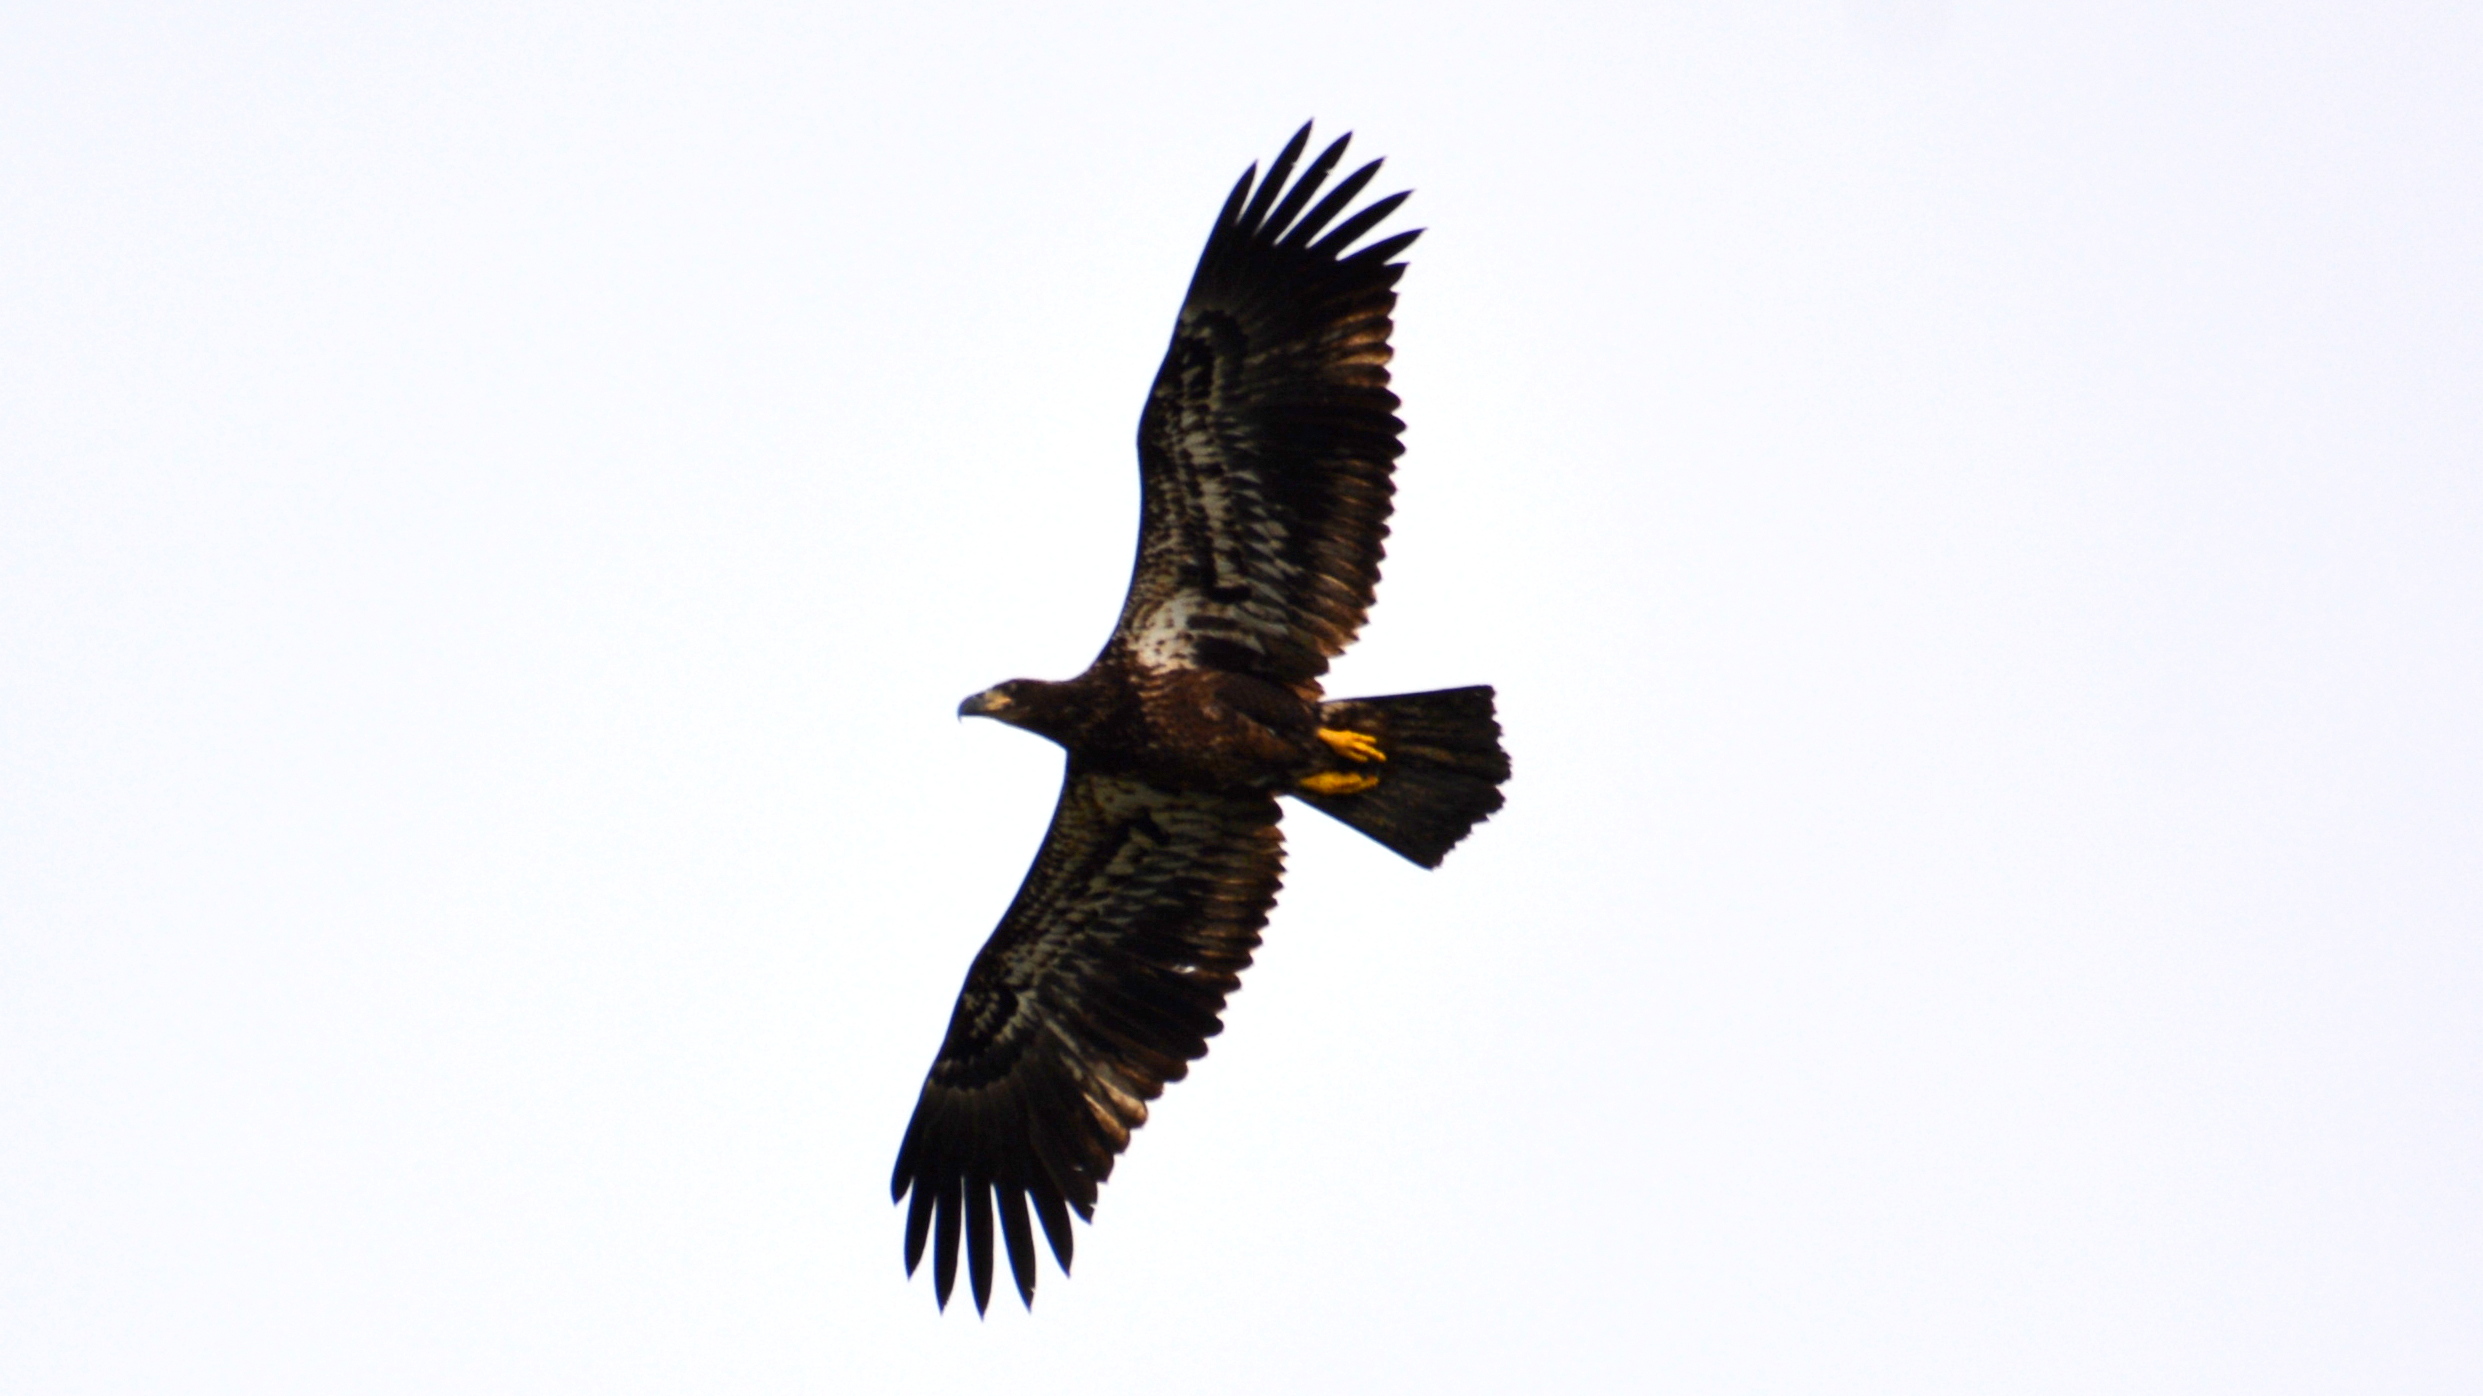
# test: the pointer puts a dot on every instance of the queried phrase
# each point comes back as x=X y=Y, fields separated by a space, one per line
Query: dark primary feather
x=1103 y=982
x=1269 y=436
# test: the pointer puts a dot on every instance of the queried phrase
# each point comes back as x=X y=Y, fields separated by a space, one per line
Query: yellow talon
x=1338 y=782
x=1353 y=746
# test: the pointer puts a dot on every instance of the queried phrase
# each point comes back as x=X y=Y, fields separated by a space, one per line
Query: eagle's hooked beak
x=988 y=703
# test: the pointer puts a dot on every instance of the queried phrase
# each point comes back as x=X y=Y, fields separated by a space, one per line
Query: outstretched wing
x=1268 y=438
x=1103 y=982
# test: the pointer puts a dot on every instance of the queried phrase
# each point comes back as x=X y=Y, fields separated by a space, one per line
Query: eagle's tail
x=1414 y=771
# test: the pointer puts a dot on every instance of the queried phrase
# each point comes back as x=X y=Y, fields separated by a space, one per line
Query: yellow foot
x=1338 y=782
x=1353 y=746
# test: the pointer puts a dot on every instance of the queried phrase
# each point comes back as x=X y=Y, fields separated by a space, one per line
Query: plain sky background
x=1974 y=511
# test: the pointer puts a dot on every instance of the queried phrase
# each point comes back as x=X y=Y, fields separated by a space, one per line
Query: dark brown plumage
x=1265 y=452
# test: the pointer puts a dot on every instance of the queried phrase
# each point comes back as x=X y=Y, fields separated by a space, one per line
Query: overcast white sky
x=1974 y=511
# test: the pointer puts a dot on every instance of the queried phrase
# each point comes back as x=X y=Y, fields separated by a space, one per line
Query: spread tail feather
x=1438 y=769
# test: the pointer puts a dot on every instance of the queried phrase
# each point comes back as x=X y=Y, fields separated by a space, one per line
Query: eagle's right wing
x=1269 y=436
x=1103 y=982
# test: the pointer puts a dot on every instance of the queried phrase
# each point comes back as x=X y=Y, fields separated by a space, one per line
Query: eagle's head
x=1005 y=701
x=1029 y=703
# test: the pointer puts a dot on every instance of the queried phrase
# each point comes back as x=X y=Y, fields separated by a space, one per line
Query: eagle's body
x=1183 y=729
x=1265 y=449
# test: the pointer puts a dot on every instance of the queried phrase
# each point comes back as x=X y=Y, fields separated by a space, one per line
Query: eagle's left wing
x=1269 y=436
x=1103 y=982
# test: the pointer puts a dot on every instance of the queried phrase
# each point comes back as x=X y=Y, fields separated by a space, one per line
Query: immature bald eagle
x=1265 y=451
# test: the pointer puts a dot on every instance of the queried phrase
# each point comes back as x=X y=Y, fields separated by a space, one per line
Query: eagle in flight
x=1265 y=452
